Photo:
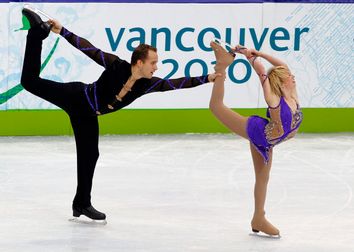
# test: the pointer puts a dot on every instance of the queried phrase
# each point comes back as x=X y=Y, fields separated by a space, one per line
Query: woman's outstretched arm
x=253 y=56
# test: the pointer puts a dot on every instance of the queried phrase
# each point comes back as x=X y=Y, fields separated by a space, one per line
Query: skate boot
x=35 y=21
x=262 y=225
x=226 y=46
x=224 y=56
x=94 y=216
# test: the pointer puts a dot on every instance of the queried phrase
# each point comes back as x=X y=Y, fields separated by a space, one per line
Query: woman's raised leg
x=231 y=119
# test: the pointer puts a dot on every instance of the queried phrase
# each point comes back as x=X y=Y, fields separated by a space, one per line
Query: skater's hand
x=240 y=49
x=250 y=53
x=212 y=77
x=56 y=26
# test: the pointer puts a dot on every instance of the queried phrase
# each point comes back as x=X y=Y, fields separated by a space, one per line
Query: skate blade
x=265 y=236
x=226 y=46
x=88 y=221
x=37 y=11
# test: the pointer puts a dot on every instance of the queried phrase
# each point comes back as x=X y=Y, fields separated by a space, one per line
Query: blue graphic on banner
x=317 y=41
x=329 y=53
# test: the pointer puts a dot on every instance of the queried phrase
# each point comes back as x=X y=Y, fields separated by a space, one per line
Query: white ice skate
x=229 y=48
x=264 y=235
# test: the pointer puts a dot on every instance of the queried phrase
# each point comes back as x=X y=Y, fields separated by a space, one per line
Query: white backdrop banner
x=316 y=40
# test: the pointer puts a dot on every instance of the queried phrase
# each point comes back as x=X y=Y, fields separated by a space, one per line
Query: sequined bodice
x=283 y=122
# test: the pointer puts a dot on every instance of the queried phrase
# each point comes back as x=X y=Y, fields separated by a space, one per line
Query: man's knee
x=28 y=82
x=96 y=155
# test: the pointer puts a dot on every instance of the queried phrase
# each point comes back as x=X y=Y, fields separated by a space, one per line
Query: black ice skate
x=93 y=216
x=35 y=20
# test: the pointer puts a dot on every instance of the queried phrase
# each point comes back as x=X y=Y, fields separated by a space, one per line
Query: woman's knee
x=262 y=179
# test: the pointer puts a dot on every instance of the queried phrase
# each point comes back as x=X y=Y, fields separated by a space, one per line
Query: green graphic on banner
x=7 y=95
x=26 y=25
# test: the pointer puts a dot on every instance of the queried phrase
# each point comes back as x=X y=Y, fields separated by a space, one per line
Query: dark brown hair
x=141 y=53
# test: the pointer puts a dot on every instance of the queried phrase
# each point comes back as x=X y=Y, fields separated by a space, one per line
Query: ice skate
x=37 y=11
x=263 y=228
x=224 y=56
x=90 y=216
x=88 y=221
x=226 y=46
x=35 y=20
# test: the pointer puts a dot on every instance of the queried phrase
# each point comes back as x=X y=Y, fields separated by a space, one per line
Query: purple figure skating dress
x=283 y=125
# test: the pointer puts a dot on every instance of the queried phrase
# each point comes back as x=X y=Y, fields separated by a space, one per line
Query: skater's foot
x=223 y=57
x=260 y=224
x=43 y=28
x=89 y=212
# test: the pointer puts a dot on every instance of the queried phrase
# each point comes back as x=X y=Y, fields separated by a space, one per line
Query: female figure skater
x=284 y=115
x=118 y=86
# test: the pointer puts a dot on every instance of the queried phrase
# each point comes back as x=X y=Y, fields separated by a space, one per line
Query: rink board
x=168 y=121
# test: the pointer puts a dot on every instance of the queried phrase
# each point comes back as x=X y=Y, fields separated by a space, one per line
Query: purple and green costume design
x=101 y=95
x=264 y=134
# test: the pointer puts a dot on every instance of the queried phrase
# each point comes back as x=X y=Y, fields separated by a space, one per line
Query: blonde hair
x=276 y=77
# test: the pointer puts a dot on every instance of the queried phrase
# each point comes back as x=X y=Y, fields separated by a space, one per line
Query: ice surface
x=177 y=193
